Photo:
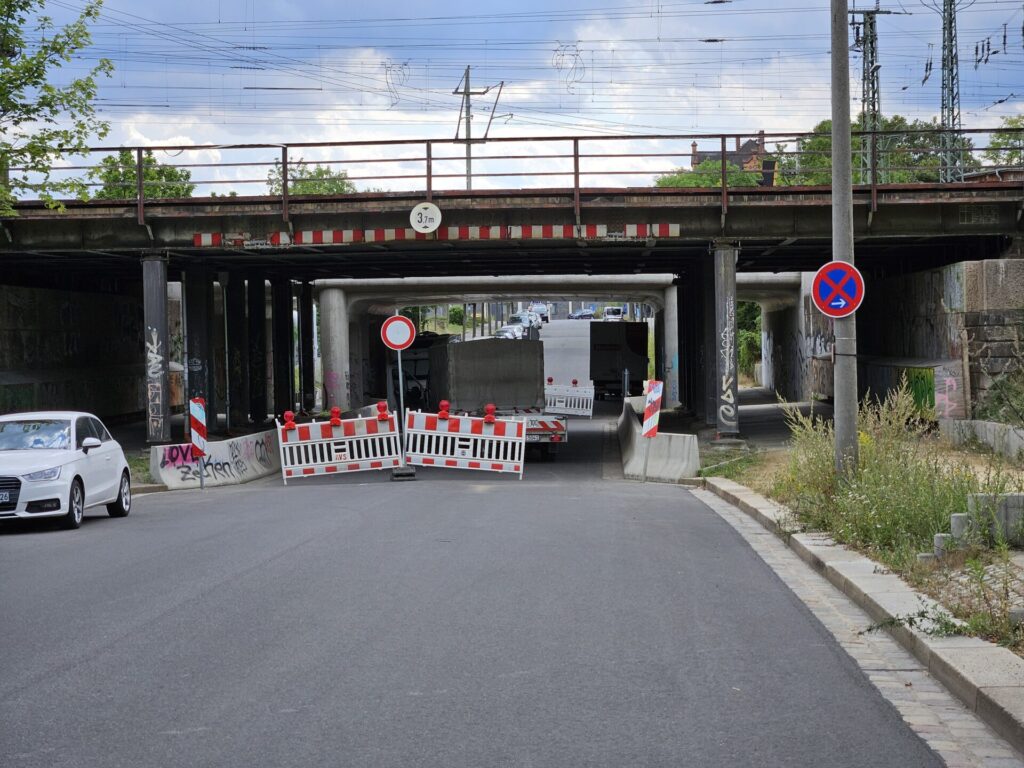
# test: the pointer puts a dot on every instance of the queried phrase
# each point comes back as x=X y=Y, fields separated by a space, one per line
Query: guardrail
x=717 y=163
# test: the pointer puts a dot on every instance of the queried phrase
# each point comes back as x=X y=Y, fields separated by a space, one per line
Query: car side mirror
x=90 y=442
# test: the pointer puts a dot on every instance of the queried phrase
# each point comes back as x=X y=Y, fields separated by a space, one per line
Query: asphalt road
x=460 y=620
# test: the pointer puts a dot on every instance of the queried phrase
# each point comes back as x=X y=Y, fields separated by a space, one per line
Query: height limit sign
x=838 y=289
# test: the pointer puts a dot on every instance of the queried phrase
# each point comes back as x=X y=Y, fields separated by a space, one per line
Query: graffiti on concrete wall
x=949 y=391
x=154 y=384
x=727 y=414
x=227 y=462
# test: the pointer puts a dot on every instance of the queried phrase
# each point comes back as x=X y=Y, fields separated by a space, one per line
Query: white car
x=58 y=463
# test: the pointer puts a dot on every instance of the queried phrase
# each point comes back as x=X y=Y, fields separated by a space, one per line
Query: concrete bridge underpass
x=225 y=252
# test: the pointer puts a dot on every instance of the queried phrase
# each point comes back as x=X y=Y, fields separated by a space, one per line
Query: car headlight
x=44 y=474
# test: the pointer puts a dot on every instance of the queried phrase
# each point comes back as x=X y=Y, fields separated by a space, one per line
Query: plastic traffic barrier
x=569 y=400
x=486 y=443
x=338 y=446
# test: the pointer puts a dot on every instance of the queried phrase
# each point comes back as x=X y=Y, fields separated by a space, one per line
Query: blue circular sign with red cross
x=838 y=289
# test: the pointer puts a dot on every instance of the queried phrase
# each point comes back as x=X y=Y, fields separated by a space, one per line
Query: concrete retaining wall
x=672 y=457
x=228 y=462
x=1002 y=438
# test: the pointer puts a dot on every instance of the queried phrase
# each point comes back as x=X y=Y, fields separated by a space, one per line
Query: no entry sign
x=838 y=289
x=398 y=332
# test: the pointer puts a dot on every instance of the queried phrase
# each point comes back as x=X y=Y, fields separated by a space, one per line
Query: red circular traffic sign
x=398 y=332
x=838 y=289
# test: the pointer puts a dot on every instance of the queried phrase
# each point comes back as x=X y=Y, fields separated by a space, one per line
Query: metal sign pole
x=647 y=455
x=401 y=407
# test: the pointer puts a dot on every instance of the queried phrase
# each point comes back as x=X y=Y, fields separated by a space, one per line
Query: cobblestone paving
x=955 y=733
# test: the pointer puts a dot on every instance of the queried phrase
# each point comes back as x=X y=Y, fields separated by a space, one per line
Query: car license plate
x=533 y=438
x=5 y=497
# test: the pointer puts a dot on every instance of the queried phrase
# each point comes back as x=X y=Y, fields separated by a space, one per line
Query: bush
x=456 y=315
x=1004 y=402
x=900 y=495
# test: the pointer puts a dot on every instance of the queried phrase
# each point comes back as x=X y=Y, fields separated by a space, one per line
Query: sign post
x=398 y=333
x=197 y=421
x=652 y=413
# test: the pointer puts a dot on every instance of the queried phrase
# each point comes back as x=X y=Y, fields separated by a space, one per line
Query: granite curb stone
x=987 y=678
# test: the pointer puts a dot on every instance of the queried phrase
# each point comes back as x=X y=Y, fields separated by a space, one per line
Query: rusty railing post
x=874 y=172
x=140 y=193
x=576 y=179
x=725 y=180
x=430 y=171
x=284 y=183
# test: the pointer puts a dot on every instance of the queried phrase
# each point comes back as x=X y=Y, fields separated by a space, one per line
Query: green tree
x=304 y=179
x=911 y=155
x=709 y=174
x=41 y=122
x=117 y=174
x=1007 y=148
x=748 y=335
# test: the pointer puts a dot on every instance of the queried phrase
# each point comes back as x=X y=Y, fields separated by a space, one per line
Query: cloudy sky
x=269 y=71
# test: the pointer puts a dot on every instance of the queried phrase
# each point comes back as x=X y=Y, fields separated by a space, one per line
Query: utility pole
x=950 y=142
x=844 y=371
x=466 y=92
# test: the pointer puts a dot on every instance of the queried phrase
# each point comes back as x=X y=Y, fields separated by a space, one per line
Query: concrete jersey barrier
x=227 y=462
x=1004 y=439
x=673 y=457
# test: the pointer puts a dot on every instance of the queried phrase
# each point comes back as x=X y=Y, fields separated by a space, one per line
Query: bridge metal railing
x=704 y=164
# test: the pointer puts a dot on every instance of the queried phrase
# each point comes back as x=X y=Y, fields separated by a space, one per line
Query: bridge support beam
x=237 y=342
x=306 y=325
x=334 y=347
x=671 y=347
x=727 y=413
x=257 y=301
x=154 y=297
x=199 y=369
x=284 y=358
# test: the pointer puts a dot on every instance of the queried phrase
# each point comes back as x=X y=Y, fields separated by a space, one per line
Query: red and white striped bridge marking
x=401 y=234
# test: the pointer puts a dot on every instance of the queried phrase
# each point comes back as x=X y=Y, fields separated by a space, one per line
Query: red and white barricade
x=541 y=427
x=337 y=446
x=571 y=401
x=485 y=443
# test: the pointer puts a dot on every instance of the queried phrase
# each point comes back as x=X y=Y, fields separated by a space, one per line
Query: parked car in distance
x=582 y=314
x=509 y=332
x=541 y=309
x=613 y=313
x=59 y=463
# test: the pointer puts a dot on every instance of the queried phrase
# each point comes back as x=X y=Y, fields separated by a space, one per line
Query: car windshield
x=517 y=320
x=23 y=435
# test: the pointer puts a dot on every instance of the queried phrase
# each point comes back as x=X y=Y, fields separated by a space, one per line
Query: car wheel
x=123 y=504
x=76 y=506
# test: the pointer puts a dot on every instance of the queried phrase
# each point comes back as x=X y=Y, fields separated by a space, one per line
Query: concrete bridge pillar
x=237 y=342
x=308 y=388
x=727 y=414
x=199 y=368
x=158 y=394
x=334 y=347
x=671 y=347
x=284 y=358
x=257 y=301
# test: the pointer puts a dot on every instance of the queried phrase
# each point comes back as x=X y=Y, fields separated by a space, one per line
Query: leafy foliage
x=1007 y=148
x=902 y=158
x=455 y=315
x=709 y=174
x=304 y=179
x=900 y=495
x=748 y=336
x=42 y=122
x=117 y=174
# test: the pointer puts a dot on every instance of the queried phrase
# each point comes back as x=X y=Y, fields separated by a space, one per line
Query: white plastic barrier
x=332 y=447
x=570 y=401
x=465 y=442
